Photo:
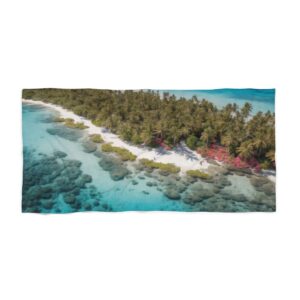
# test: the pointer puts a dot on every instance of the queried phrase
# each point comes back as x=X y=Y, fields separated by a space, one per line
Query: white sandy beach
x=181 y=155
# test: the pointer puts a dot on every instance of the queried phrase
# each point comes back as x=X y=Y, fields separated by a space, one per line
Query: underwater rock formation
x=47 y=179
x=172 y=194
x=65 y=132
x=221 y=181
x=89 y=146
x=258 y=181
x=197 y=193
x=116 y=168
x=262 y=184
x=59 y=154
x=150 y=183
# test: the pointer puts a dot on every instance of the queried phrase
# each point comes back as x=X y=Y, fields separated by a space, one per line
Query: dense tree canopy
x=144 y=117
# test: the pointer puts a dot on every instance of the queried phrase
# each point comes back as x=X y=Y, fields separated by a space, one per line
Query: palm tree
x=245 y=150
x=227 y=140
x=259 y=144
x=207 y=135
x=246 y=110
x=143 y=115
x=159 y=129
x=147 y=136
x=271 y=155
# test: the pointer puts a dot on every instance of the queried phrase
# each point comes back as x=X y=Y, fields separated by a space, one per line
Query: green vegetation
x=192 y=142
x=70 y=123
x=170 y=168
x=198 y=174
x=59 y=119
x=144 y=117
x=96 y=138
x=265 y=165
x=123 y=153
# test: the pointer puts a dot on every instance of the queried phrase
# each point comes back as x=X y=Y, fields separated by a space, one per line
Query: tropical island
x=109 y=150
x=230 y=135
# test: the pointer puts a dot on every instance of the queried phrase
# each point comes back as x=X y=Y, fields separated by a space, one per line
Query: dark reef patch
x=116 y=168
x=262 y=184
x=197 y=193
x=59 y=154
x=220 y=181
x=54 y=184
x=64 y=132
x=172 y=194
x=89 y=146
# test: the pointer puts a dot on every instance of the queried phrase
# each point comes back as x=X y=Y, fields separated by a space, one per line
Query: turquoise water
x=261 y=99
x=64 y=172
x=116 y=195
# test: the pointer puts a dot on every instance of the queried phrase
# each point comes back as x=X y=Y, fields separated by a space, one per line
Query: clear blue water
x=261 y=99
x=61 y=175
x=117 y=195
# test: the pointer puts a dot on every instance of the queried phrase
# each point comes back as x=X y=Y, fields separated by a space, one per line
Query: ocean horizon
x=261 y=99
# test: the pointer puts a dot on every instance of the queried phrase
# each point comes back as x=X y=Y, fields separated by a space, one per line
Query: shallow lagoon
x=63 y=173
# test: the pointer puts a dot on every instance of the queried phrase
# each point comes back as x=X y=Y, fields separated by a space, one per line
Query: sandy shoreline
x=181 y=155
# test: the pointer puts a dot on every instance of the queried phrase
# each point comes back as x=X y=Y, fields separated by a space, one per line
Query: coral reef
x=114 y=166
x=56 y=184
x=88 y=146
x=65 y=132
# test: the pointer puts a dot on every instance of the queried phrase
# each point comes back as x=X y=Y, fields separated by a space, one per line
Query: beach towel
x=148 y=150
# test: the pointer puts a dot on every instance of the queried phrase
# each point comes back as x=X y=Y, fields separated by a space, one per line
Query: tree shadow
x=182 y=149
x=160 y=151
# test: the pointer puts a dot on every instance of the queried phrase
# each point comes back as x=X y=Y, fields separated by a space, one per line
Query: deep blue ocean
x=64 y=172
x=261 y=99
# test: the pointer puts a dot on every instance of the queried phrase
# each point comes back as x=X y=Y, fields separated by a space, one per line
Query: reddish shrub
x=221 y=154
x=160 y=142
